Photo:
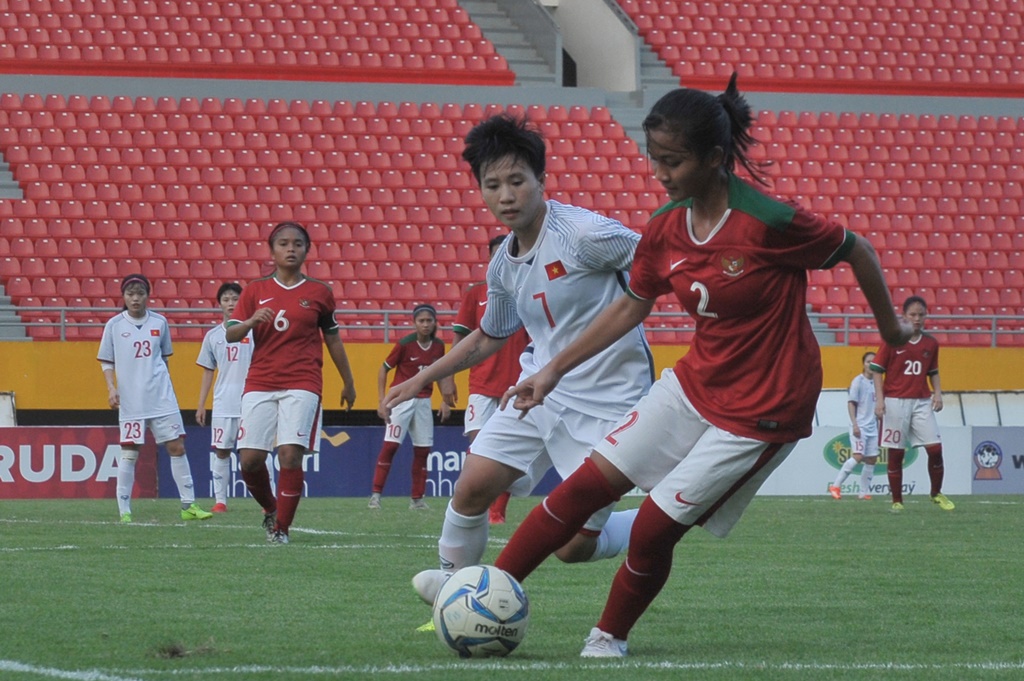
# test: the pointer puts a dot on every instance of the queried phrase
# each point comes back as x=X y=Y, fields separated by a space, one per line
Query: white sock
x=845 y=471
x=125 y=482
x=221 y=471
x=867 y=475
x=614 y=537
x=463 y=539
x=182 y=474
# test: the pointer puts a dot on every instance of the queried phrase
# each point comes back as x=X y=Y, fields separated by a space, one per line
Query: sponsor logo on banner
x=988 y=457
x=838 y=450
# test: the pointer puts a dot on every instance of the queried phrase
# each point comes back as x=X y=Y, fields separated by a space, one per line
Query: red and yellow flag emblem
x=555 y=270
x=154 y=332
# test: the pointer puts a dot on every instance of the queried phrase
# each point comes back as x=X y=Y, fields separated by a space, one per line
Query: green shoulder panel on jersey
x=461 y=330
x=671 y=205
x=317 y=281
x=405 y=340
x=877 y=369
x=770 y=211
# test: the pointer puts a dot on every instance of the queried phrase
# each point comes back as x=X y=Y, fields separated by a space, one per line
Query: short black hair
x=228 y=286
x=504 y=136
x=914 y=299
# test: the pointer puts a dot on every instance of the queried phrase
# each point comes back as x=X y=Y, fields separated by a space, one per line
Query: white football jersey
x=862 y=391
x=578 y=266
x=138 y=349
x=231 y=362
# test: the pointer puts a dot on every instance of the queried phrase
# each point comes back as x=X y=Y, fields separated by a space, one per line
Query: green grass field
x=804 y=588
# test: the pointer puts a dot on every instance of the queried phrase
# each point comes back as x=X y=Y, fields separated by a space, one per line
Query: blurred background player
x=714 y=427
x=231 y=362
x=557 y=270
x=411 y=355
x=133 y=350
x=863 y=431
x=489 y=379
x=907 y=405
x=291 y=318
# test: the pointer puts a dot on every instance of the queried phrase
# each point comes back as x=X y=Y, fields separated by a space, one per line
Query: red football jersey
x=908 y=367
x=288 y=352
x=494 y=375
x=754 y=368
x=408 y=358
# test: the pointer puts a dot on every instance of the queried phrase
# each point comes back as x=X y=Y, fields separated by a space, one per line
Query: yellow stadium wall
x=54 y=375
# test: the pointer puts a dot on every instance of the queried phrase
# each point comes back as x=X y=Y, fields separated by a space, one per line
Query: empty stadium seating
x=946 y=47
x=393 y=40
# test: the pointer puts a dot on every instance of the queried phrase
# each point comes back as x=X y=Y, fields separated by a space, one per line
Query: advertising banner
x=67 y=463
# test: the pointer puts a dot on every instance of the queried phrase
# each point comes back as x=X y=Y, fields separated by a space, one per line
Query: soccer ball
x=481 y=611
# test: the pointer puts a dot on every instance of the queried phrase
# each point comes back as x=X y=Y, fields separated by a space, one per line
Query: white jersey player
x=231 y=362
x=133 y=354
x=863 y=432
x=559 y=268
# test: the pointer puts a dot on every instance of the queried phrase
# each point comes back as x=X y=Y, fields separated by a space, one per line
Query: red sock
x=645 y=571
x=289 y=492
x=257 y=481
x=500 y=504
x=936 y=468
x=554 y=522
x=380 y=474
x=895 y=471
x=419 y=471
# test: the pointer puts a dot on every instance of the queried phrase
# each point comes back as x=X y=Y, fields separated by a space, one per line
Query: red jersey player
x=288 y=314
x=712 y=429
x=489 y=379
x=410 y=356
x=907 y=405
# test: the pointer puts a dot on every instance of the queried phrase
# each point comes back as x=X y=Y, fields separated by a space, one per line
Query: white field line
x=476 y=667
x=51 y=673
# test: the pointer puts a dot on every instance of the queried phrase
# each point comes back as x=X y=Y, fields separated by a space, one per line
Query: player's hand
x=898 y=335
x=348 y=397
x=856 y=431
x=201 y=416
x=449 y=392
x=937 y=403
x=113 y=398
x=260 y=316
x=879 y=409
x=396 y=395
x=444 y=412
x=530 y=392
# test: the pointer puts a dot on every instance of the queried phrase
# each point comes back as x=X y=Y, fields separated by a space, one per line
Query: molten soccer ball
x=481 y=611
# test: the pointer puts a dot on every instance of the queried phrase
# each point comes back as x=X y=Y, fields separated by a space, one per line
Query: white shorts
x=478 y=410
x=224 y=432
x=909 y=422
x=549 y=435
x=696 y=473
x=866 y=445
x=281 y=417
x=414 y=417
x=164 y=429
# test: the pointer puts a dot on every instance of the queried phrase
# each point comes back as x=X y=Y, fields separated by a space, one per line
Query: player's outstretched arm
x=476 y=347
x=336 y=349
x=868 y=271
x=613 y=323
